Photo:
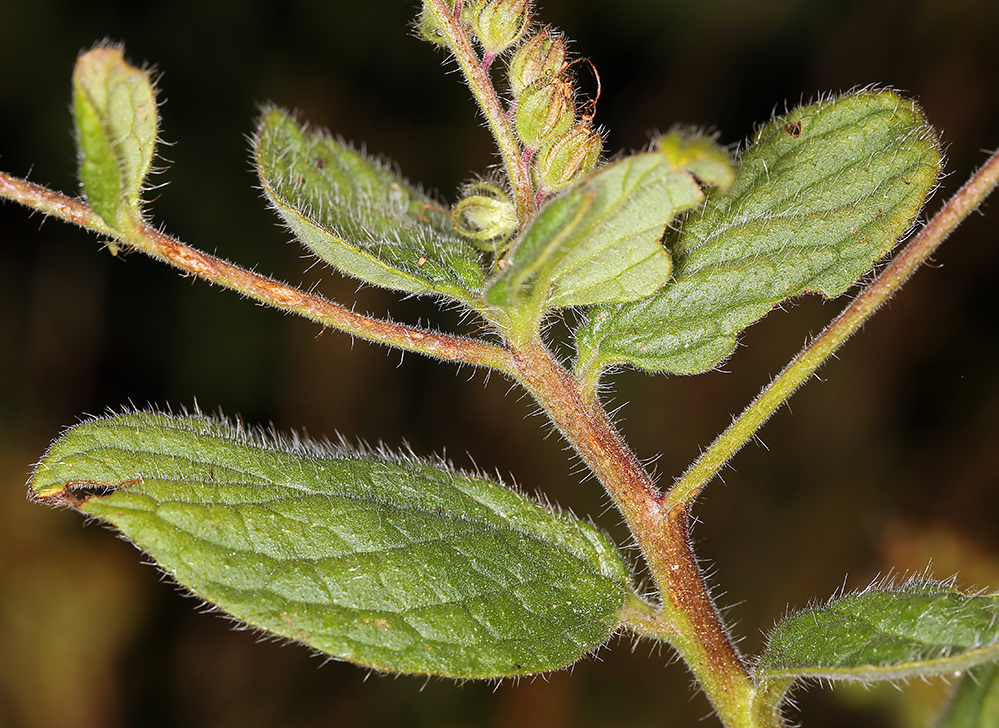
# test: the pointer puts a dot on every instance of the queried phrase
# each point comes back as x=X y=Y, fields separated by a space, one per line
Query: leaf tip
x=74 y=493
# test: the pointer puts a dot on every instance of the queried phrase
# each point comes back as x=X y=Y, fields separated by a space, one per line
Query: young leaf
x=359 y=216
x=114 y=108
x=919 y=628
x=975 y=703
x=822 y=194
x=600 y=241
x=391 y=563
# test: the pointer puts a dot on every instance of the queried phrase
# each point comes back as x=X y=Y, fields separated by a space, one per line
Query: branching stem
x=264 y=289
x=688 y=620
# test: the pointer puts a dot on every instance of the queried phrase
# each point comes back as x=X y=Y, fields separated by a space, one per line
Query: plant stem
x=478 y=80
x=264 y=289
x=903 y=265
x=689 y=620
x=52 y=203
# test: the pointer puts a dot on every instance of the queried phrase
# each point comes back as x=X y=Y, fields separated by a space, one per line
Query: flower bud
x=569 y=158
x=428 y=29
x=499 y=24
x=539 y=59
x=545 y=110
x=486 y=215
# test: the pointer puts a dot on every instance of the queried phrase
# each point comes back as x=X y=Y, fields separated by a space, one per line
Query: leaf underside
x=975 y=702
x=919 y=628
x=822 y=194
x=396 y=564
x=600 y=241
x=359 y=216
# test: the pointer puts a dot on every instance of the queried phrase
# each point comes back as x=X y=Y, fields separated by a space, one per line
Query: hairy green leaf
x=600 y=241
x=822 y=194
x=886 y=633
x=975 y=703
x=392 y=563
x=360 y=216
x=114 y=108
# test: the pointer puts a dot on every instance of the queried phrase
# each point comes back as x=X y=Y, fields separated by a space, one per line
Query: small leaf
x=822 y=194
x=975 y=703
x=919 y=628
x=600 y=241
x=114 y=107
x=360 y=216
x=386 y=562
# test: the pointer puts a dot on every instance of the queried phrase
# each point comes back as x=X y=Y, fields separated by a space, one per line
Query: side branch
x=52 y=203
x=815 y=354
x=264 y=289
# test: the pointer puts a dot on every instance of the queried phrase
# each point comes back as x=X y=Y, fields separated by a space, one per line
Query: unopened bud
x=428 y=28
x=569 y=158
x=540 y=59
x=499 y=24
x=486 y=215
x=544 y=112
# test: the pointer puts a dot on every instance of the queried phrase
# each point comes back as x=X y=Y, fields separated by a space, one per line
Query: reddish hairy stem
x=264 y=289
x=691 y=622
x=477 y=76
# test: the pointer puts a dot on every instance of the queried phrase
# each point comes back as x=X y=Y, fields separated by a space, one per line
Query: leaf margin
x=570 y=530
x=693 y=347
x=921 y=586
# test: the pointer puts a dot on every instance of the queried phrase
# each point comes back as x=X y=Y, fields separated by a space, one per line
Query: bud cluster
x=563 y=143
x=556 y=135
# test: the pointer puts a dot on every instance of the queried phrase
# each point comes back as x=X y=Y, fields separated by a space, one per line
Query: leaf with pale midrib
x=599 y=242
x=392 y=563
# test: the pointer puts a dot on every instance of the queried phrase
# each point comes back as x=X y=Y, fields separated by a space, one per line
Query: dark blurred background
x=888 y=463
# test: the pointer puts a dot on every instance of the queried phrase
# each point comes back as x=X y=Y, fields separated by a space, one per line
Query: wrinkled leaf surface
x=822 y=194
x=920 y=628
x=359 y=216
x=392 y=563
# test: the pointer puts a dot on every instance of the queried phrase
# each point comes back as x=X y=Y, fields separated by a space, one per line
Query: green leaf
x=600 y=241
x=387 y=562
x=114 y=107
x=360 y=216
x=886 y=633
x=822 y=194
x=975 y=703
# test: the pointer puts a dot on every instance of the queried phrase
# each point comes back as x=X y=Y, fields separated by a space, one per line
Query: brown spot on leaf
x=77 y=492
